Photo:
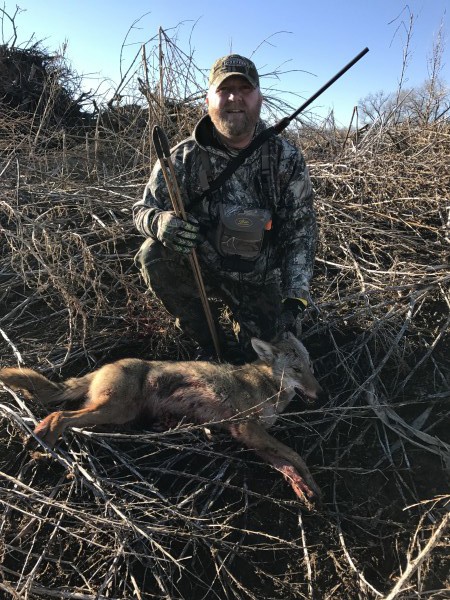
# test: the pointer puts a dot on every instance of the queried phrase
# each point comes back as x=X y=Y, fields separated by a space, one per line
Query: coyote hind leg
x=283 y=458
x=53 y=426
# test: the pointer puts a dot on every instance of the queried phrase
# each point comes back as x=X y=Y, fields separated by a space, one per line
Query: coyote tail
x=35 y=385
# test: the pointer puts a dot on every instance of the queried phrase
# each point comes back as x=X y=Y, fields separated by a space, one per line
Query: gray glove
x=176 y=234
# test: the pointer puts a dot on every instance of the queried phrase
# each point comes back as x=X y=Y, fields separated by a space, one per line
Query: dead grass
x=142 y=514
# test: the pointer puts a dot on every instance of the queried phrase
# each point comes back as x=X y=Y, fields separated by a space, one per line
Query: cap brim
x=221 y=78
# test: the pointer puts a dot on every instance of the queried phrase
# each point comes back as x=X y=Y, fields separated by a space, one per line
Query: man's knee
x=150 y=252
x=159 y=266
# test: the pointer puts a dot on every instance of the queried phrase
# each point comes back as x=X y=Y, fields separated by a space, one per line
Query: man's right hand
x=176 y=234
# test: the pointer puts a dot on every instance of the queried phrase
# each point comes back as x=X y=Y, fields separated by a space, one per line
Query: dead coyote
x=244 y=400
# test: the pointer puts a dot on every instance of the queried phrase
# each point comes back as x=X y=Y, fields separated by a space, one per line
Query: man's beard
x=234 y=126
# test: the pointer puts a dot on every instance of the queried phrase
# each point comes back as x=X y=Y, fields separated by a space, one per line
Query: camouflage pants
x=255 y=308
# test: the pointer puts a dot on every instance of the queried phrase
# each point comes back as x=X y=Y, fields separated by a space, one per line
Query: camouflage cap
x=233 y=64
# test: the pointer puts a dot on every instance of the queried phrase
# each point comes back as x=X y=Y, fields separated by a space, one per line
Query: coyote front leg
x=283 y=458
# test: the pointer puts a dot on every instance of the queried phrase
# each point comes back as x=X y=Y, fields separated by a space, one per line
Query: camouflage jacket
x=289 y=255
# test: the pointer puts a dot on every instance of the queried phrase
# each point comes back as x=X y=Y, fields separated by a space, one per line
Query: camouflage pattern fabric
x=287 y=260
x=256 y=309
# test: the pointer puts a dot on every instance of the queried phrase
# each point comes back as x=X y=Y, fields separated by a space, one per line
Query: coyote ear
x=287 y=336
x=264 y=350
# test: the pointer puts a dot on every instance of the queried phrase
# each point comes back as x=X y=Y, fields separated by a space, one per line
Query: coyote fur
x=244 y=400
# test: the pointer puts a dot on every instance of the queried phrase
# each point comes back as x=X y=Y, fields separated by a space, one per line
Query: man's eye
x=242 y=90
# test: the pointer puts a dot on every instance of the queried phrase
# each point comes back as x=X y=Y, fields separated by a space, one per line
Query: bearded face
x=234 y=107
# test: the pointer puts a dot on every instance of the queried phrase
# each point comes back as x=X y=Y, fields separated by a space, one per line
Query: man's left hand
x=291 y=315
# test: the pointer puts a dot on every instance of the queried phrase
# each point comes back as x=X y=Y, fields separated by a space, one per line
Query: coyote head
x=290 y=363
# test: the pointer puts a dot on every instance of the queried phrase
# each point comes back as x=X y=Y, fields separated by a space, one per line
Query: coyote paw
x=45 y=430
x=308 y=493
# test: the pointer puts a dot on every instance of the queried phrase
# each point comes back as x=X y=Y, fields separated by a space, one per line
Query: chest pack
x=240 y=234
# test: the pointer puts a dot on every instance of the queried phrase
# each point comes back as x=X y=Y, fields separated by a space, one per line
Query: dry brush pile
x=137 y=513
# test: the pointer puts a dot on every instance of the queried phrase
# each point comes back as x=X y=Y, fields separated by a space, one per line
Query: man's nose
x=234 y=94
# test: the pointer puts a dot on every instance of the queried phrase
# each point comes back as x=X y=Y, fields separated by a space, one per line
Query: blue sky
x=313 y=38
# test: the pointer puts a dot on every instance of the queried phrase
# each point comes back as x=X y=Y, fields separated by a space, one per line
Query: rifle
x=276 y=129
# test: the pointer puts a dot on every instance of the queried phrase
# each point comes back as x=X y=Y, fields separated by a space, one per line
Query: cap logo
x=235 y=62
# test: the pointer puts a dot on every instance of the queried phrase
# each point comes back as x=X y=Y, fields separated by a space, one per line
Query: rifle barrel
x=286 y=120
